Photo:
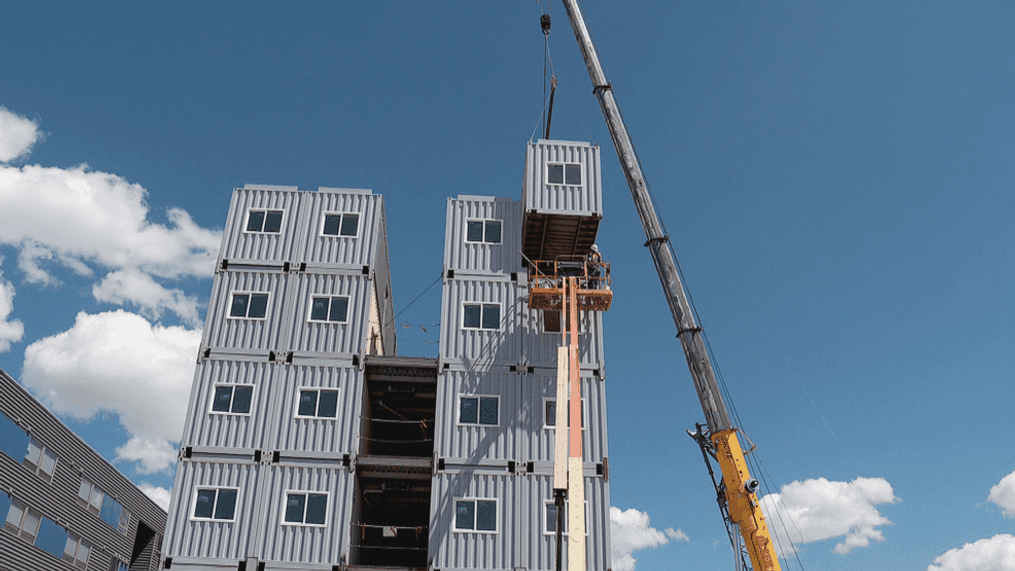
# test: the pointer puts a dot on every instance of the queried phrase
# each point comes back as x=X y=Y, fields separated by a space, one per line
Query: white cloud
x=630 y=531
x=158 y=494
x=994 y=554
x=11 y=331
x=1003 y=494
x=133 y=286
x=119 y=363
x=814 y=510
x=17 y=135
x=677 y=535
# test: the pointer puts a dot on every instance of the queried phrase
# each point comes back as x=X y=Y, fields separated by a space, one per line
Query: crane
x=737 y=493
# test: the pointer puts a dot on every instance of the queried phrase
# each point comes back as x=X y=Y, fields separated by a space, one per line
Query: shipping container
x=232 y=404
x=478 y=416
x=480 y=320
x=539 y=345
x=248 y=310
x=330 y=314
x=264 y=226
x=483 y=235
x=317 y=411
x=536 y=430
x=562 y=177
x=343 y=228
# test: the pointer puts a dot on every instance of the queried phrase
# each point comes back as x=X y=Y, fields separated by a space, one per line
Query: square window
x=564 y=173
x=52 y=538
x=476 y=515
x=205 y=506
x=555 y=174
x=317 y=403
x=341 y=224
x=573 y=174
x=306 y=508
x=481 y=316
x=488 y=410
x=469 y=411
x=249 y=305
x=331 y=309
x=13 y=439
x=488 y=231
x=474 y=231
x=478 y=410
x=267 y=221
x=232 y=399
x=215 y=504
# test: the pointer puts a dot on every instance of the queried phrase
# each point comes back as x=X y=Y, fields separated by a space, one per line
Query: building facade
x=310 y=444
x=66 y=507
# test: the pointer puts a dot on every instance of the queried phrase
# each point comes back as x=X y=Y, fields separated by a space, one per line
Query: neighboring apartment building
x=310 y=445
x=66 y=507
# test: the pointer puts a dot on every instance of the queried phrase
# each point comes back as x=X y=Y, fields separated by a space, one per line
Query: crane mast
x=739 y=488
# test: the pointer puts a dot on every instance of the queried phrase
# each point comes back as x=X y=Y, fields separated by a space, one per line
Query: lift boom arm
x=742 y=502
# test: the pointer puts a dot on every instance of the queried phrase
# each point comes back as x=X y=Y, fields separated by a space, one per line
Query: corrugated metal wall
x=539 y=349
x=239 y=246
x=226 y=334
x=579 y=200
x=56 y=499
x=481 y=349
x=321 y=435
x=325 y=338
x=519 y=540
x=206 y=428
x=466 y=257
x=324 y=252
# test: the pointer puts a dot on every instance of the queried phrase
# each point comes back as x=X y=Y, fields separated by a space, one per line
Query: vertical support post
x=575 y=476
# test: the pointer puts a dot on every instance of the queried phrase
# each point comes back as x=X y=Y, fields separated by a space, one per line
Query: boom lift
x=718 y=437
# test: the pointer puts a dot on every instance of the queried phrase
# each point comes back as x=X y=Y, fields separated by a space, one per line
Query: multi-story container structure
x=66 y=507
x=310 y=445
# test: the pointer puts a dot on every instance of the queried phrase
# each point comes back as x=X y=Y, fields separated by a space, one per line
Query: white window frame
x=338 y=406
x=327 y=507
x=193 y=504
x=475 y=510
x=267 y=305
x=554 y=425
x=341 y=222
x=479 y=408
x=38 y=468
x=482 y=305
x=310 y=309
x=79 y=542
x=94 y=491
x=246 y=220
x=230 y=412
x=564 y=182
x=26 y=511
x=484 y=221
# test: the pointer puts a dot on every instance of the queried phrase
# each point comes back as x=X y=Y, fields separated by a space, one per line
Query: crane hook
x=544 y=22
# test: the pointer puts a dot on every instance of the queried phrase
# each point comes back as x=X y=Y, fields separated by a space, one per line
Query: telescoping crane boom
x=741 y=501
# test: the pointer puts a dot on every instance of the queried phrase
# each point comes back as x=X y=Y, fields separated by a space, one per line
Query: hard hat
x=595 y=248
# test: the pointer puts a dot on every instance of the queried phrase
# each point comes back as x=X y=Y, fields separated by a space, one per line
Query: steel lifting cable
x=420 y=295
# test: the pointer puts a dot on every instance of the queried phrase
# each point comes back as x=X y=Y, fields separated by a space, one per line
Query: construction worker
x=594 y=263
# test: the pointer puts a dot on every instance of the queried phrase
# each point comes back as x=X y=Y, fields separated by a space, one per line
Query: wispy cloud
x=11 y=331
x=119 y=363
x=630 y=531
x=819 y=509
x=994 y=554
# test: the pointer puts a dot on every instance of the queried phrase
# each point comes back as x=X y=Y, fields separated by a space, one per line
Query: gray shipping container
x=270 y=333
x=539 y=347
x=240 y=246
x=542 y=194
x=483 y=256
x=330 y=338
x=317 y=437
x=477 y=349
x=207 y=427
x=349 y=252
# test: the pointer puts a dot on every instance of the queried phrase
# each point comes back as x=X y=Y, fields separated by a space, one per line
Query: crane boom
x=741 y=500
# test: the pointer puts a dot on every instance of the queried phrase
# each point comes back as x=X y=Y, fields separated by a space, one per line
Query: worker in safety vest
x=594 y=262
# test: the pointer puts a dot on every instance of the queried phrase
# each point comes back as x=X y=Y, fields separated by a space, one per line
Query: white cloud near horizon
x=630 y=531
x=1002 y=494
x=11 y=331
x=91 y=222
x=819 y=509
x=17 y=135
x=119 y=363
x=994 y=554
x=157 y=494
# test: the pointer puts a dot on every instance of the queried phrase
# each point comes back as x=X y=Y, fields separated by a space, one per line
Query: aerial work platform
x=547 y=282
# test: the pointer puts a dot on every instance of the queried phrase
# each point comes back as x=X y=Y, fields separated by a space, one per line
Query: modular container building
x=65 y=506
x=325 y=450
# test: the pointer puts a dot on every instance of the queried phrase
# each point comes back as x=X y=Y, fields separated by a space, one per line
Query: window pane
x=225 y=507
x=70 y=549
x=30 y=525
x=319 y=309
x=110 y=511
x=124 y=520
x=472 y=313
x=205 y=505
x=84 y=490
x=258 y=305
x=488 y=410
x=469 y=413
x=5 y=504
x=317 y=508
x=486 y=516
x=96 y=500
x=48 y=462
x=551 y=413
x=474 y=231
x=241 y=399
x=13 y=440
x=350 y=224
x=273 y=221
x=294 y=507
x=493 y=231
x=465 y=514
x=83 y=550
x=308 y=403
x=34 y=454
x=239 y=308
x=555 y=174
x=328 y=407
x=574 y=174
x=223 y=396
x=551 y=518
x=16 y=513
x=52 y=538
x=339 y=309
x=491 y=317
x=256 y=221
x=331 y=222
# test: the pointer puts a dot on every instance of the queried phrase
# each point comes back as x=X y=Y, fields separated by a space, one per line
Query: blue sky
x=836 y=179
